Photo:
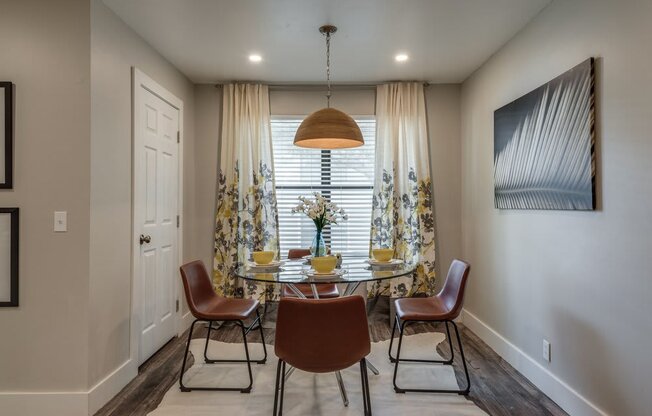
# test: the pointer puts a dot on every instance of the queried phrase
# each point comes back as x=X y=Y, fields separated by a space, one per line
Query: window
x=346 y=176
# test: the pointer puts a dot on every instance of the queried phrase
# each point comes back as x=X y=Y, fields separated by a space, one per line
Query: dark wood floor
x=496 y=387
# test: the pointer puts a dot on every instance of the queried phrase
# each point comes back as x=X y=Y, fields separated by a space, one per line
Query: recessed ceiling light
x=255 y=58
x=401 y=57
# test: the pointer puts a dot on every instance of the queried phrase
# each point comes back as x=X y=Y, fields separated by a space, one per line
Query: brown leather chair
x=205 y=305
x=324 y=291
x=321 y=336
x=443 y=307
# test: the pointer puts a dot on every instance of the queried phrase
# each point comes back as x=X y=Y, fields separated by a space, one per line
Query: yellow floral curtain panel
x=246 y=214
x=402 y=216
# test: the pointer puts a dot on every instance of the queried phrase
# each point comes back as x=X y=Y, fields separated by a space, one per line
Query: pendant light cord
x=328 y=68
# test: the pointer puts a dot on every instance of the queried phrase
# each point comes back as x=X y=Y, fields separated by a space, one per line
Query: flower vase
x=318 y=246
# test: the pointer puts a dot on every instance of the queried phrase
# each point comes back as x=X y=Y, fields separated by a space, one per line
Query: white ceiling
x=210 y=40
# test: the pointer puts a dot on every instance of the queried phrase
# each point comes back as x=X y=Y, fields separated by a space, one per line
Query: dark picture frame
x=544 y=145
x=13 y=257
x=7 y=119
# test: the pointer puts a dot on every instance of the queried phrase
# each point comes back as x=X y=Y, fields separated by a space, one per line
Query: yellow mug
x=263 y=257
x=383 y=254
x=324 y=264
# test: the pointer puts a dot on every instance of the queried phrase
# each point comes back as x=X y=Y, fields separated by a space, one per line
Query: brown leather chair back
x=197 y=286
x=452 y=294
x=297 y=253
x=322 y=335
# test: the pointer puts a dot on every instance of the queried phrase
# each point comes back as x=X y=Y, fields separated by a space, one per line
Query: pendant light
x=328 y=128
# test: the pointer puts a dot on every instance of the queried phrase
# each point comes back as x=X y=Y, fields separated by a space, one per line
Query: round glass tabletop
x=353 y=270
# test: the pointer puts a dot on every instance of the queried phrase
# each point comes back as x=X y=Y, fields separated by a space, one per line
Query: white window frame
x=327 y=233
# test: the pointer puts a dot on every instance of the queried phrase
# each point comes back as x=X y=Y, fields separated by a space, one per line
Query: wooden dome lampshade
x=328 y=128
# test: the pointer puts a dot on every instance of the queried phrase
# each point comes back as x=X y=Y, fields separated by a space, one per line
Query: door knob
x=145 y=239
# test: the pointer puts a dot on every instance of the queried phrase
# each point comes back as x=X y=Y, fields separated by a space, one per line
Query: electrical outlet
x=546 y=350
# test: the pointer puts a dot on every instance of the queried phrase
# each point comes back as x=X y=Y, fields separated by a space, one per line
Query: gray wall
x=208 y=126
x=45 y=51
x=295 y=101
x=115 y=48
x=579 y=279
x=443 y=112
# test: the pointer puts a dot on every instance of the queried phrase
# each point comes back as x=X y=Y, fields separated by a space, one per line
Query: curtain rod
x=303 y=87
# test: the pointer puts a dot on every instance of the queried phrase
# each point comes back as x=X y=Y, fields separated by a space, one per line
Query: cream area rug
x=317 y=394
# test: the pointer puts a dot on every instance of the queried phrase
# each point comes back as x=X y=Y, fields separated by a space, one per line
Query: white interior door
x=156 y=189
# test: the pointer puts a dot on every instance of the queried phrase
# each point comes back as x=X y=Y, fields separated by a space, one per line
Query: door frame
x=139 y=78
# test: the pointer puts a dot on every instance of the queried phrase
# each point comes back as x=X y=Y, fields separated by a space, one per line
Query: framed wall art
x=8 y=257
x=544 y=144
x=6 y=134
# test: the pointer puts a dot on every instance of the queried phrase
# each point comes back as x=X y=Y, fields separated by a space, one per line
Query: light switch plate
x=60 y=221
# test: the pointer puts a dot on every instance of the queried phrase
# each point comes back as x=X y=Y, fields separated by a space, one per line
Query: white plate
x=272 y=265
x=317 y=275
x=392 y=262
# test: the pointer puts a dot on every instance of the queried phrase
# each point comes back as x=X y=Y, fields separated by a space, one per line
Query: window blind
x=346 y=176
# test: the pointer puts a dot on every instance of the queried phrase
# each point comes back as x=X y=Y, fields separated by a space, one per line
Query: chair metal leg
x=240 y=323
x=208 y=337
x=244 y=339
x=262 y=337
x=282 y=392
x=366 y=382
x=364 y=392
x=398 y=355
x=411 y=360
x=277 y=386
x=398 y=389
x=282 y=376
x=391 y=339
x=366 y=395
x=245 y=330
x=340 y=382
x=466 y=370
x=450 y=345
x=185 y=358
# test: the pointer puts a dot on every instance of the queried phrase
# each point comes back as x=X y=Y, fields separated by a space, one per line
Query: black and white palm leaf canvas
x=544 y=145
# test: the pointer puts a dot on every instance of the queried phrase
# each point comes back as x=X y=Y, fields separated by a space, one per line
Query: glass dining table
x=351 y=273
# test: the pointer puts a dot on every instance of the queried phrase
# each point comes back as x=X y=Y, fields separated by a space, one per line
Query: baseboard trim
x=81 y=403
x=561 y=393
x=184 y=323
x=44 y=403
x=111 y=385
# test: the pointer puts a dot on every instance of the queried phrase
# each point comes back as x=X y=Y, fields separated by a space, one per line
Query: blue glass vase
x=318 y=246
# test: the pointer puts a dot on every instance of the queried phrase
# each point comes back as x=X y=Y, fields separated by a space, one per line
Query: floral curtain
x=402 y=216
x=246 y=214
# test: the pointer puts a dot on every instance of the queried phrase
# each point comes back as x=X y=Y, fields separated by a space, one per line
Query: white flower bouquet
x=322 y=212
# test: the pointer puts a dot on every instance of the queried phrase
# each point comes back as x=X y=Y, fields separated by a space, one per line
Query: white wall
x=579 y=279
x=115 y=49
x=45 y=52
